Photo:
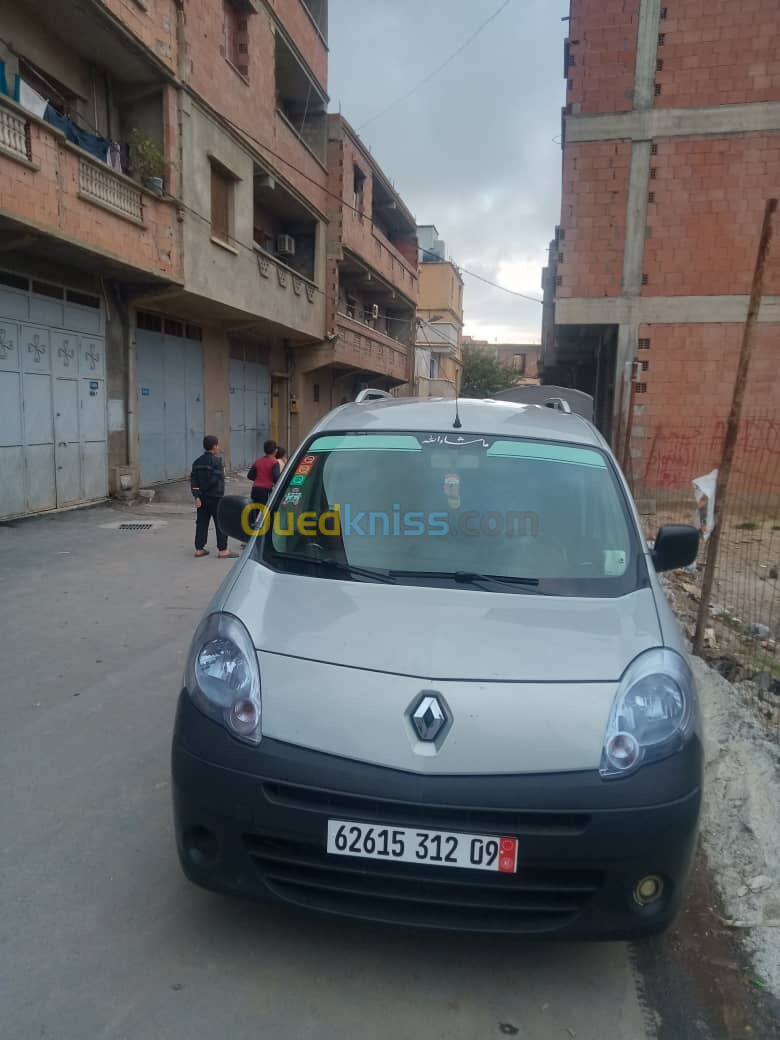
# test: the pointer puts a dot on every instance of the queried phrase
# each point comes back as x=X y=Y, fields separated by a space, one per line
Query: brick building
x=522 y=359
x=371 y=282
x=438 y=348
x=143 y=304
x=671 y=146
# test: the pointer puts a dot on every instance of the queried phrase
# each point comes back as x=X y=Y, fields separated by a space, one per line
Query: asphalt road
x=102 y=937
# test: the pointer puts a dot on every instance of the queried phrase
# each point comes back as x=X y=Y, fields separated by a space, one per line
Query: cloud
x=473 y=150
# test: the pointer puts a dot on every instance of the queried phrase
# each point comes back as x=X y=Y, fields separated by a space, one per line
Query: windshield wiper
x=472 y=578
x=345 y=568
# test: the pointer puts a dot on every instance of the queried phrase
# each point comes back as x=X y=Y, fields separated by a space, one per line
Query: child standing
x=262 y=474
x=207 y=484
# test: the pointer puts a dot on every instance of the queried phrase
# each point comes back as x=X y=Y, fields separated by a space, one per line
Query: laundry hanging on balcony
x=29 y=98
x=92 y=143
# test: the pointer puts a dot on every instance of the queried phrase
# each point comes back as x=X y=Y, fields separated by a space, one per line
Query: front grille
x=533 y=900
x=468 y=819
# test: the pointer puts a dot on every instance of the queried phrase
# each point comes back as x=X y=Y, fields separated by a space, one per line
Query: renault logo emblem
x=429 y=717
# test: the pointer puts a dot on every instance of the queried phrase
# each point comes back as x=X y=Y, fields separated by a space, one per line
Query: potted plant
x=147 y=161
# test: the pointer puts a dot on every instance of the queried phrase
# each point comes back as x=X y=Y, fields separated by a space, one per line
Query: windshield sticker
x=292 y=498
x=297 y=481
x=614 y=563
x=303 y=470
x=308 y=460
x=454 y=442
x=367 y=442
x=538 y=452
x=452 y=490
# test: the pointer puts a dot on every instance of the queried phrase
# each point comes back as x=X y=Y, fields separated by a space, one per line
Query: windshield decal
x=536 y=451
x=367 y=442
x=454 y=442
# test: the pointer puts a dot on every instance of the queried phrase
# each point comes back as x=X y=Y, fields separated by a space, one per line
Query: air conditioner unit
x=375 y=311
x=285 y=245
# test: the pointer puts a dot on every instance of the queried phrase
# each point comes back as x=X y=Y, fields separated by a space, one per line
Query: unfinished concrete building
x=671 y=147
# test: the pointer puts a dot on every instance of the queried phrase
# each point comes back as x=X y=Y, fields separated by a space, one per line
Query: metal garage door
x=53 y=445
x=250 y=419
x=169 y=373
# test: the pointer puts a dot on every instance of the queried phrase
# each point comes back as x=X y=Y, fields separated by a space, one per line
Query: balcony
x=106 y=188
x=55 y=189
x=367 y=241
x=300 y=101
x=363 y=349
x=287 y=297
x=14 y=135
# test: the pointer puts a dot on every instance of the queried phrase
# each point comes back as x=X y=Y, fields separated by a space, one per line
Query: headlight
x=654 y=713
x=222 y=676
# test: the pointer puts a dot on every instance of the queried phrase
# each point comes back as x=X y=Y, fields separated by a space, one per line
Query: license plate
x=422 y=846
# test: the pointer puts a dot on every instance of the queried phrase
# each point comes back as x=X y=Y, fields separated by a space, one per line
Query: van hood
x=461 y=634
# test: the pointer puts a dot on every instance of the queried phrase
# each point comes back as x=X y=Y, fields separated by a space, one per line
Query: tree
x=483 y=376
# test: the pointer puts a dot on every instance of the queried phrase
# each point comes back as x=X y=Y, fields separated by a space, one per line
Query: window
x=551 y=515
x=359 y=179
x=435 y=368
x=60 y=97
x=518 y=363
x=236 y=36
x=221 y=204
x=316 y=392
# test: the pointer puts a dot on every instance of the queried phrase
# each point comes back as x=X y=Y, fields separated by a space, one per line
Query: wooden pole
x=732 y=429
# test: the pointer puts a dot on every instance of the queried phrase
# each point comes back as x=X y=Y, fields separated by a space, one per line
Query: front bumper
x=253 y=821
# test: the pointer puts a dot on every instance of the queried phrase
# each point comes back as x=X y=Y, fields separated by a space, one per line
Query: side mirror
x=229 y=515
x=676 y=545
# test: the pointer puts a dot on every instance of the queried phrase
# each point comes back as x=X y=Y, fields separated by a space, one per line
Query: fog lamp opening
x=648 y=890
x=201 y=846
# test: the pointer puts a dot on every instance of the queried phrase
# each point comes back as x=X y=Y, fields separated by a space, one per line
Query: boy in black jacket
x=208 y=486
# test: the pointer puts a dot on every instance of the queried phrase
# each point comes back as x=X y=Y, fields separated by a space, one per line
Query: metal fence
x=743 y=623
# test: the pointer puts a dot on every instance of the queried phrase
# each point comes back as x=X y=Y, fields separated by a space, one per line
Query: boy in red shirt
x=262 y=474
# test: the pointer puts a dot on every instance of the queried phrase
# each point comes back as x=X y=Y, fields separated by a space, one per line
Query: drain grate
x=135 y=527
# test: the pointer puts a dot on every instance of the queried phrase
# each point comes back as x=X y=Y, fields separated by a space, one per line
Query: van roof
x=487 y=417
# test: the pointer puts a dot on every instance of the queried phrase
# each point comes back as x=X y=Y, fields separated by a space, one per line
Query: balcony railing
x=14 y=134
x=105 y=187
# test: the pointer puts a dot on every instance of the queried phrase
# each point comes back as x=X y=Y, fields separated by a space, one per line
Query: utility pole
x=732 y=429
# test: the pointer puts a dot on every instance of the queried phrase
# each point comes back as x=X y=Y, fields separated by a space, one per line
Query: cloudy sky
x=472 y=151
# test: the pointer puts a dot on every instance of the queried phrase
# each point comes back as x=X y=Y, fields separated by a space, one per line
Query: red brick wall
x=602 y=35
x=719 y=52
x=595 y=196
x=710 y=195
x=155 y=27
x=250 y=103
x=680 y=420
x=299 y=26
x=48 y=198
x=360 y=235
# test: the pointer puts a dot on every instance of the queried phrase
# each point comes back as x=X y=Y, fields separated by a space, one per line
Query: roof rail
x=372 y=395
x=558 y=404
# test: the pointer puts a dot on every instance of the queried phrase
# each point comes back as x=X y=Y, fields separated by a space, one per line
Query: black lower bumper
x=253 y=821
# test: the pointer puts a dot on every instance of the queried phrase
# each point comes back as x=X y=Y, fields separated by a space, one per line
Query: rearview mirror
x=229 y=516
x=676 y=545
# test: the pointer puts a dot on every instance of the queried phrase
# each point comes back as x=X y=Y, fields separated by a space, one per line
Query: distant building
x=372 y=281
x=522 y=359
x=439 y=319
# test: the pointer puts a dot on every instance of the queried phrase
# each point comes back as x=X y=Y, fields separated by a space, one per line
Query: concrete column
x=636 y=212
x=646 y=54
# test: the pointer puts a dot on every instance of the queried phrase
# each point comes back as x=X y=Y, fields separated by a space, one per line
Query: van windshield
x=501 y=515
